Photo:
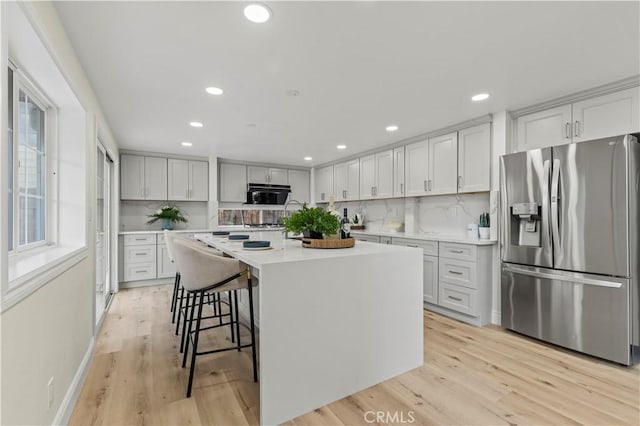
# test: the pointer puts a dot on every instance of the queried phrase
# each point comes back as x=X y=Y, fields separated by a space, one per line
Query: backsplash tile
x=133 y=214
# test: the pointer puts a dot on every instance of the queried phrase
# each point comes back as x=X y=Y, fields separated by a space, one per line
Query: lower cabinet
x=368 y=238
x=145 y=257
x=165 y=268
x=456 y=279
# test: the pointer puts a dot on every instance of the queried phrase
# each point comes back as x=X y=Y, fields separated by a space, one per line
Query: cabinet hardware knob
x=455 y=272
x=576 y=128
x=457 y=299
x=567 y=130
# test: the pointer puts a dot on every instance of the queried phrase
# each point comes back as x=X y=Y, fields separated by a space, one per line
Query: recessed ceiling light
x=214 y=91
x=392 y=128
x=186 y=143
x=480 y=97
x=307 y=158
x=196 y=124
x=257 y=13
x=292 y=92
x=251 y=125
x=341 y=146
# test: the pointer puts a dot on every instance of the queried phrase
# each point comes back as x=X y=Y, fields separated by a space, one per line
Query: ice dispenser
x=525 y=224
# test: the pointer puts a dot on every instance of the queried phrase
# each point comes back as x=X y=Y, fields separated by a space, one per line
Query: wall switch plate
x=50 y=392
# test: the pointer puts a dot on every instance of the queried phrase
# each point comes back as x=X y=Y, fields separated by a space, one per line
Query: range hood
x=263 y=193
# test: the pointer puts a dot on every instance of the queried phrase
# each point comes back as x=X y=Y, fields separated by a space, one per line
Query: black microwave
x=262 y=193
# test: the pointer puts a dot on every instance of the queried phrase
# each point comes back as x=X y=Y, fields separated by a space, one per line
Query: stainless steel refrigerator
x=569 y=246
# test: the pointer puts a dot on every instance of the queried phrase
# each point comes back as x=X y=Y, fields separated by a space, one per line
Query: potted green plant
x=313 y=222
x=484 y=226
x=169 y=215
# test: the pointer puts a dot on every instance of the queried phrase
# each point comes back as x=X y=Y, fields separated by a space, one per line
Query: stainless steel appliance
x=262 y=193
x=569 y=246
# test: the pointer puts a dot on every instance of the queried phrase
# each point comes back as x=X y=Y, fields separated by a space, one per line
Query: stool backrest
x=168 y=241
x=201 y=268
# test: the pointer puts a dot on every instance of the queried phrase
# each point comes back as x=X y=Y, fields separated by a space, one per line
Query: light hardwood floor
x=470 y=376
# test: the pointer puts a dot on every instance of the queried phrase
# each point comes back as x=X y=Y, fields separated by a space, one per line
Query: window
x=27 y=118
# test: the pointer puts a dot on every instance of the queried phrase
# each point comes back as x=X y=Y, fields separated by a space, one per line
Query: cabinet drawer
x=139 y=239
x=140 y=271
x=139 y=254
x=428 y=247
x=457 y=298
x=458 y=251
x=369 y=238
x=458 y=272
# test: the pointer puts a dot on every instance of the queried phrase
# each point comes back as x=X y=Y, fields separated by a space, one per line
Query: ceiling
x=358 y=67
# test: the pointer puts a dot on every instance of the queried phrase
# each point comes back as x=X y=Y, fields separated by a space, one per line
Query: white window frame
x=22 y=82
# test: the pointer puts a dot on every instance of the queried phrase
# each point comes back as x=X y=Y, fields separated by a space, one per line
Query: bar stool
x=205 y=273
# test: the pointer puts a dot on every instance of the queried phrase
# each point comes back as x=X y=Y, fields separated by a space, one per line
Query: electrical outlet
x=50 y=392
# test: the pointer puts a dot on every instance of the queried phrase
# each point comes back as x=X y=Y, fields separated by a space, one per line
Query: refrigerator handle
x=555 y=197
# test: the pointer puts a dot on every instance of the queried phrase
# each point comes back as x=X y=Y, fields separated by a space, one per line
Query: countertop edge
x=427 y=237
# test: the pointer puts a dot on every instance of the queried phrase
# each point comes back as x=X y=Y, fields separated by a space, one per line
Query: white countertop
x=285 y=250
x=235 y=229
x=427 y=237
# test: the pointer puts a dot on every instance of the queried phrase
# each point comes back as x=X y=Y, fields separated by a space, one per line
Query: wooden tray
x=328 y=244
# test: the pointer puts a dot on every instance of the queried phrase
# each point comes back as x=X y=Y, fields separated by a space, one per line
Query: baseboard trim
x=496 y=317
x=63 y=415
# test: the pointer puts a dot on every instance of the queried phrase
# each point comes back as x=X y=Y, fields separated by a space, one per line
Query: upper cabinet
x=275 y=176
x=188 y=180
x=597 y=117
x=474 y=159
x=324 y=184
x=367 y=177
x=232 y=181
x=443 y=164
x=300 y=185
x=346 y=180
x=143 y=178
x=376 y=175
x=416 y=168
x=398 y=172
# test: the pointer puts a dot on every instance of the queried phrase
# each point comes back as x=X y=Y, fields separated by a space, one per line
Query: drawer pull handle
x=141 y=272
x=457 y=299
x=141 y=239
x=457 y=251
x=455 y=272
x=412 y=245
x=141 y=254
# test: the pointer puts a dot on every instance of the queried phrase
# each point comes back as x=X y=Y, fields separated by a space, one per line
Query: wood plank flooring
x=471 y=376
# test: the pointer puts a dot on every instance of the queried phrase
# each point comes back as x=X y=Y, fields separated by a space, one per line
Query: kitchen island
x=331 y=322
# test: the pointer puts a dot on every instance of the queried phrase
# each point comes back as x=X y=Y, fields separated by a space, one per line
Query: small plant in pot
x=313 y=222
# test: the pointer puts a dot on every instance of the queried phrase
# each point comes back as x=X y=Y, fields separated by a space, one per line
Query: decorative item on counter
x=345 y=226
x=357 y=222
x=169 y=216
x=484 y=226
x=472 y=231
x=314 y=223
x=331 y=208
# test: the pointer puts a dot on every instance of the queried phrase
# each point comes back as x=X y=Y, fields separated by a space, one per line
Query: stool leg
x=189 y=307
x=253 y=332
x=235 y=303
x=180 y=309
x=231 y=315
x=195 y=346
x=173 y=294
x=176 y=288
x=187 y=333
x=219 y=310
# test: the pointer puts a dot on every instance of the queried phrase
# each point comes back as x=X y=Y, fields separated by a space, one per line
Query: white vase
x=484 y=233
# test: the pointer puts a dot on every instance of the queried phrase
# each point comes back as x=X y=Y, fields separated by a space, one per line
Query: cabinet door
x=398 y=172
x=278 y=176
x=300 y=183
x=416 y=168
x=430 y=279
x=609 y=115
x=324 y=184
x=232 y=183
x=544 y=128
x=353 y=180
x=443 y=164
x=257 y=174
x=132 y=177
x=155 y=178
x=166 y=269
x=367 y=177
x=178 y=181
x=474 y=158
x=340 y=181
x=198 y=181
x=384 y=174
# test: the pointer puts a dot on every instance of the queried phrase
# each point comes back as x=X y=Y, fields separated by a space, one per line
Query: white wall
x=49 y=333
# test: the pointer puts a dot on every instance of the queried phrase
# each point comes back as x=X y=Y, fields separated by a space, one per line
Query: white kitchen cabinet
x=398 y=172
x=430 y=279
x=474 y=159
x=270 y=175
x=346 y=180
x=609 y=115
x=324 y=184
x=165 y=268
x=443 y=164
x=602 y=116
x=300 y=185
x=143 y=178
x=232 y=180
x=367 y=238
x=187 y=180
x=376 y=175
x=139 y=257
x=416 y=168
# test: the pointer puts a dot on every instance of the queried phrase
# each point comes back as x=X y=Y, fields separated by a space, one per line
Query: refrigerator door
x=589 y=207
x=525 y=233
x=587 y=313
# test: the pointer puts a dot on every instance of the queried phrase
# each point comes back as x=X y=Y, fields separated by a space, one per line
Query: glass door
x=104 y=173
